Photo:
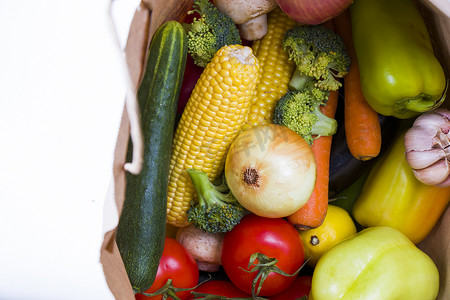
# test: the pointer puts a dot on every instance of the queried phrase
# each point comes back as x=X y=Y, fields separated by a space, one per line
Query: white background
x=61 y=99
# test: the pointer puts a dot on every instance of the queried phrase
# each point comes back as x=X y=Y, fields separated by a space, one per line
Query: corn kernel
x=276 y=69
x=213 y=116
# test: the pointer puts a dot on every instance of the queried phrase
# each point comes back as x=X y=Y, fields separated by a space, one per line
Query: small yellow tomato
x=337 y=226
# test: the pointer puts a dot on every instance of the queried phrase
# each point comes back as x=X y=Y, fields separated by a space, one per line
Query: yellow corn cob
x=213 y=116
x=276 y=69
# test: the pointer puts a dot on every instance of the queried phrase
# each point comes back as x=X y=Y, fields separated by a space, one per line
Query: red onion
x=313 y=12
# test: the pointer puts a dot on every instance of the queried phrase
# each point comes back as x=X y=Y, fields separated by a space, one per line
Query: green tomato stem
x=264 y=267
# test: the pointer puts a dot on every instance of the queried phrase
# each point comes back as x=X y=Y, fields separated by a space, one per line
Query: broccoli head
x=210 y=32
x=319 y=53
x=300 y=111
x=214 y=211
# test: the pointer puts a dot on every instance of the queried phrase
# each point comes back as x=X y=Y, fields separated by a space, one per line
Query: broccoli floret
x=300 y=111
x=210 y=32
x=319 y=53
x=214 y=211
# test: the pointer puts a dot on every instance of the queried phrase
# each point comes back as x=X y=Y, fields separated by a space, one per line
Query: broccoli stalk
x=319 y=54
x=214 y=211
x=300 y=111
x=210 y=32
x=298 y=80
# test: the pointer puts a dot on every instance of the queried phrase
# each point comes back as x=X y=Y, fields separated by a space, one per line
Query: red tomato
x=220 y=288
x=275 y=238
x=177 y=264
x=300 y=288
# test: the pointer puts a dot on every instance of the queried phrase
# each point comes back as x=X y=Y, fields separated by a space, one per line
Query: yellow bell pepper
x=393 y=197
x=377 y=263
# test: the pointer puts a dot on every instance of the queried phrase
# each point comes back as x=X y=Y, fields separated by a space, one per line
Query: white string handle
x=132 y=109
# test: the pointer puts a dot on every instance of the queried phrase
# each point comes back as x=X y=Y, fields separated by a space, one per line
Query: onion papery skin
x=285 y=168
x=313 y=12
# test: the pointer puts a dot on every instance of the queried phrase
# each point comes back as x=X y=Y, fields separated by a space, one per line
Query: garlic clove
x=444 y=183
x=432 y=120
x=443 y=139
x=427 y=145
x=423 y=159
x=434 y=174
x=443 y=112
x=420 y=138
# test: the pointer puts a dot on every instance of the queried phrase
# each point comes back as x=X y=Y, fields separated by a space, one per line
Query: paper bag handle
x=132 y=108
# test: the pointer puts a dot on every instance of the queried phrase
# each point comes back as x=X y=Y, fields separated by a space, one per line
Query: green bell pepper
x=376 y=263
x=400 y=74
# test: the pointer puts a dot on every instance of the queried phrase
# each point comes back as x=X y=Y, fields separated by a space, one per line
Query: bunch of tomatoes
x=256 y=249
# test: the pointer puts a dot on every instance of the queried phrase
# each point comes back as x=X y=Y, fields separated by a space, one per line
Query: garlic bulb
x=427 y=145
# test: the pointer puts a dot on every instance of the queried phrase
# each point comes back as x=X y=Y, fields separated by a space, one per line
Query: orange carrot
x=362 y=126
x=312 y=214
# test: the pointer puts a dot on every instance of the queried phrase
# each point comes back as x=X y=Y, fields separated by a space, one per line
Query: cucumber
x=141 y=229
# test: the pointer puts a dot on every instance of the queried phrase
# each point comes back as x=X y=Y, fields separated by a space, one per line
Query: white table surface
x=62 y=95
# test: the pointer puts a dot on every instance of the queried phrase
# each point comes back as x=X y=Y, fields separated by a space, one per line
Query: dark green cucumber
x=141 y=229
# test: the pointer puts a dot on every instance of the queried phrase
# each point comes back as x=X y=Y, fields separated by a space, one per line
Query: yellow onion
x=427 y=145
x=271 y=170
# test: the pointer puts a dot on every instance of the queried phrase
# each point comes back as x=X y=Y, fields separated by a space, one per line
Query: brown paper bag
x=148 y=17
x=437 y=246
